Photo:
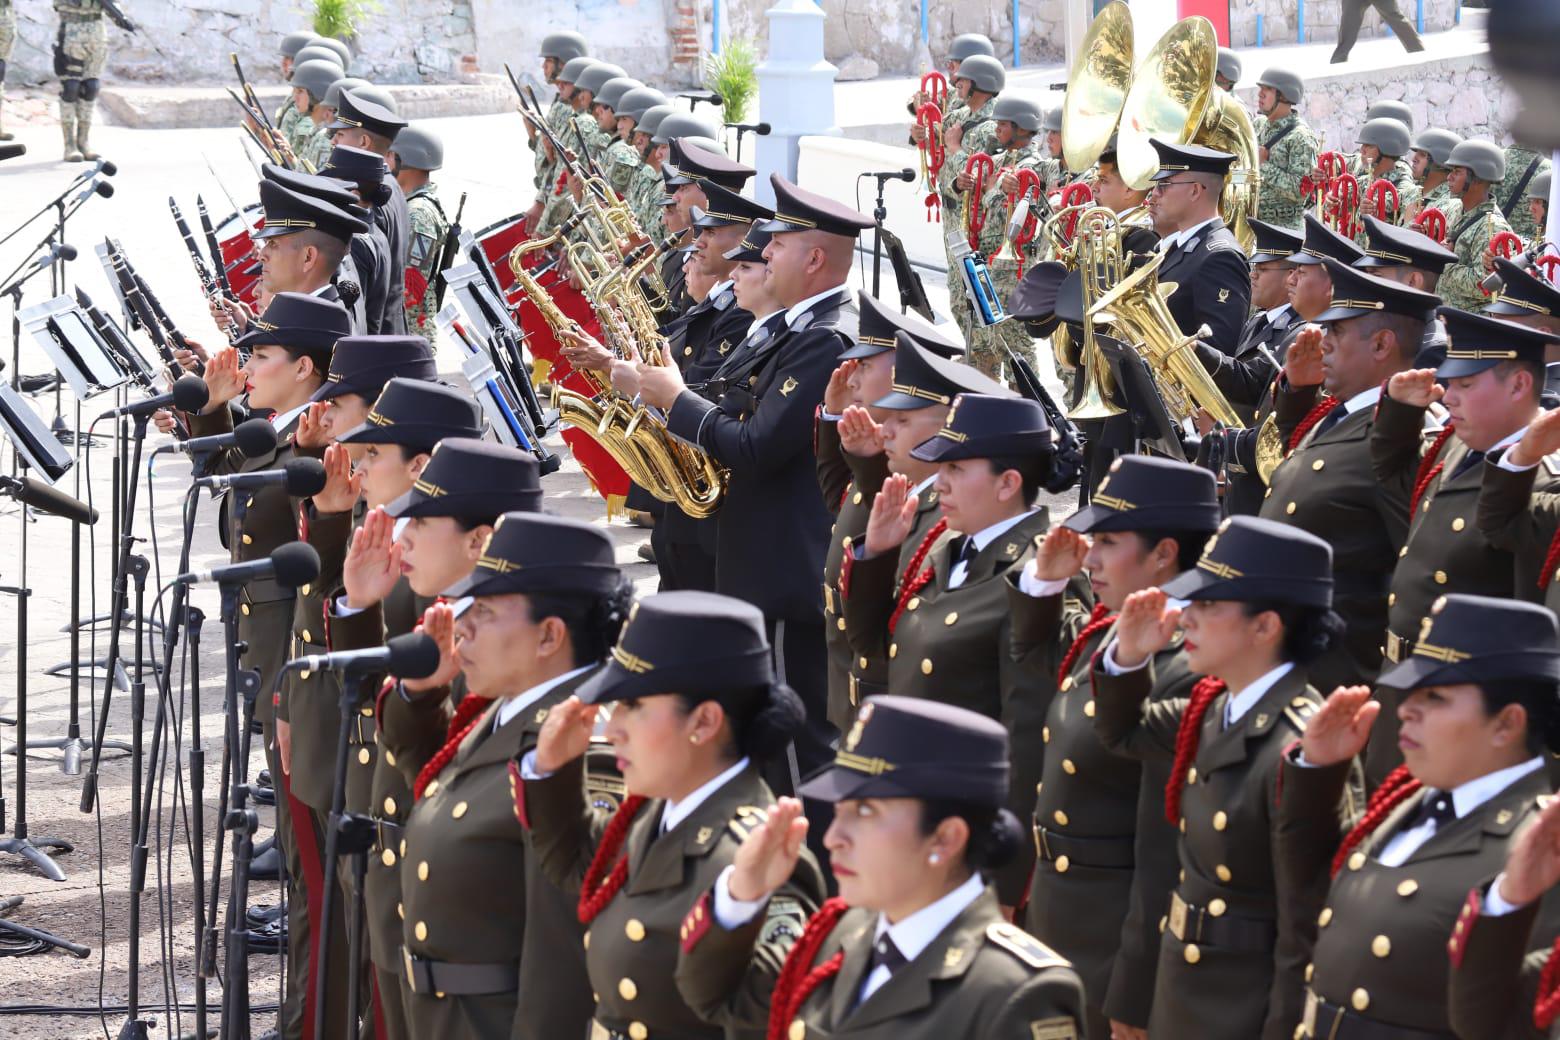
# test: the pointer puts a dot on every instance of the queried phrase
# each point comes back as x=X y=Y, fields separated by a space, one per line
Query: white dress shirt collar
x=718 y=288
x=986 y=535
x=515 y=705
x=759 y=323
x=1272 y=315
x=915 y=492
x=676 y=812
x=1469 y=796
x=915 y=933
x=1507 y=441
x=1363 y=399
x=1177 y=238
x=283 y=420
x=1236 y=705
x=795 y=311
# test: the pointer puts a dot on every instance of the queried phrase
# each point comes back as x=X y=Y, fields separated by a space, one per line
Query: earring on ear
x=693 y=738
x=934 y=859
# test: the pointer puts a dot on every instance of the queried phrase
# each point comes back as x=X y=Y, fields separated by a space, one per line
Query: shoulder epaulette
x=1299 y=711
x=747 y=819
x=1024 y=946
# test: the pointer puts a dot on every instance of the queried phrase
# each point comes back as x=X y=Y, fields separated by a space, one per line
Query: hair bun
x=1000 y=844
x=774 y=725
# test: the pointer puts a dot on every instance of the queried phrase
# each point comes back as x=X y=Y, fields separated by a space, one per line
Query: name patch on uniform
x=1053 y=1029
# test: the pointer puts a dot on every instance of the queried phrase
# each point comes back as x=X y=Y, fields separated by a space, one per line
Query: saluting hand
x=342 y=485
x=1542 y=438
x=1059 y=555
x=1415 y=387
x=769 y=853
x=313 y=431
x=1303 y=361
x=224 y=379
x=1340 y=730
x=565 y=735
x=837 y=396
x=859 y=434
x=1533 y=867
x=438 y=624
x=1144 y=627
x=892 y=517
x=373 y=563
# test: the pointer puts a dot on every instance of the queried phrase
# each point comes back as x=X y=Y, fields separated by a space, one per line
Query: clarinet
x=208 y=282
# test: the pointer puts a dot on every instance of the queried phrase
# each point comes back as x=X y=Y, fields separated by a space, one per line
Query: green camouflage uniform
x=547 y=169
x=619 y=164
x=558 y=207
x=316 y=145
x=980 y=135
x=1516 y=208
x=429 y=227
x=286 y=118
x=1470 y=238
x=1401 y=177
x=1440 y=197
x=302 y=132
x=80 y=52
x=1289 y=159
x=7 y=40
x=987 y=343
x=644 y=198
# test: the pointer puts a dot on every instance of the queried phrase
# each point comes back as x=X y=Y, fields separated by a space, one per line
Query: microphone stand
x=241 y=820
x=879 y=215
x=81 y=178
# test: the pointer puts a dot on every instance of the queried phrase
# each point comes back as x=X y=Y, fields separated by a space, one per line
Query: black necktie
x=1437 y=807
x=1468 y=461
x=966 y=554
x=1331 y=419
x=885 y=955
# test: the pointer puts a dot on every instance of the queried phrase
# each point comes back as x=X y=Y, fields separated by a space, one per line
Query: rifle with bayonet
x=208 y=281
x=447 y=252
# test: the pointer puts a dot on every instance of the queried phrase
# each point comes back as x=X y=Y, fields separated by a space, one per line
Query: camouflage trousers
x=7 y=40
x=81 y=48
x=987 y=345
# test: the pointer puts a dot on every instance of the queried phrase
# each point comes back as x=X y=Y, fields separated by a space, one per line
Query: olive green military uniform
x=557 y=116
x=1233 y=953
x=1328 y=486
x=596 y=140
x=1292 y=149
x=473 y=897
x=989 y=344
x=1496 y=965
x=1106 y=857
x=80 y=53
x=1379 y=956
x=429 y=227
x=7 y=41
x=1512 y=202
x=633 y=943
x=980 y=977
x=619 y=163
x=950 y=645
x=1519 y=512
x=1470 y=238
x=1440 y=197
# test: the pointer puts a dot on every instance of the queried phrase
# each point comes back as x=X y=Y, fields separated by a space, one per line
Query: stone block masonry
x=1280 y=20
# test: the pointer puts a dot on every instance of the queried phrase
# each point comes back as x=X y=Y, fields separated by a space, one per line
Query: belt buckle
x=1178 y=916
x=409 y=967
x=1308 y=1023
x=854 y=690
x=1041 y=848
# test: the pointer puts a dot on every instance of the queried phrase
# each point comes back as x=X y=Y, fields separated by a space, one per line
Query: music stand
x=38 y=450
x=912 y=294
x=1137 y=392
x=487 y=383
x=63 y=332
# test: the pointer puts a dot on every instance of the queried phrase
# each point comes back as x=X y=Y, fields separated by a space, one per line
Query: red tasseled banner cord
x=595 y=893
x=797 y=978
x=1398 y=786
x=1314 y=416
x=1097 y=620
x=1187 y=738
x=1429 y=469
x=914 y=579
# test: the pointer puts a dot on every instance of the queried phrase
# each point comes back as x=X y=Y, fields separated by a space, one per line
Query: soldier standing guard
x=1477 y=167
x=309 y=140
x=618 y=162
x=1288 y=147
x=7 y=41
x=80 y=52
x=416 y=153
x=286 y=115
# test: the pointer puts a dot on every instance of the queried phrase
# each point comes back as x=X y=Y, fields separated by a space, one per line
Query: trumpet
x=1022 y=224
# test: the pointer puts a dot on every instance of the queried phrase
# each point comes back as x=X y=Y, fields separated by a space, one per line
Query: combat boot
x=5 y=135
x=84 y=128
x=68 y=130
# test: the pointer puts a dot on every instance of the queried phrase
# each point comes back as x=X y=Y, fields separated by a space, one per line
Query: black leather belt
x=448 y=979
x=1325 y=1021
x=1213 y=926
x=1060 y=849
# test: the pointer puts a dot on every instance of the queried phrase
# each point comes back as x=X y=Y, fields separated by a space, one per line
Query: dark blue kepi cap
x=362 y=365
x=880 y=324
x=726 y=207
x=1522 y=293
x=1476 y=342
x=417 y=414
x=1189 y=158
x=685 y=642
x=1387 y=245
x=985 y=427
x=910 y=747
x=354 y=165
x=751 y=251
x=302 y=321
x=538 y=552
x=1150 y=493
x=1480 y=639
x=797 y=209
x=695 y=165
x=924 y=378
x=288 y=212
x=1356 y=293
x=1250 y=559
x=1322 y=241
x=362 y=114
x=1274 y=242
x=467 y=477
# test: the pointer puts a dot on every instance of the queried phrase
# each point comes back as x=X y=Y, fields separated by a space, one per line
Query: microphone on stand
x=102 y=188
x=302 y=477
x=47 y=499
x=293 y=564
x=254 y=438
x=59 y=251
x=906 y=174
x=761 y=129
x=189 y=394
x=413 y=655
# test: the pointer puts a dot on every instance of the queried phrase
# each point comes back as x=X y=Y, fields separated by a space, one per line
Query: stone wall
x=630 y=33
x=866 y=38
x=1280 y=19
x=188 y=41
x=1462 y=94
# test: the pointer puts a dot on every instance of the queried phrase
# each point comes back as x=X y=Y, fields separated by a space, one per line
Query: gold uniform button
x=1357 y=861
x=1088 y=709
x=1191 y=775
x=389 y=758
x=388 y=857
x=839 y=623
x=1045 y=734
x=248 y=540
x=687 y=351
x=1318 y=464
x=1381 y=946
x=1459 y=524
x=1290 y=508
x=846 y=541
x=421 y=931
x=1060 y=817
x=798 y=1030
x=1408 y=888
x=433 y=785
x=459 y=810
x=864 y=661
x=403 y=846
x=244 y=609
x=389 y=806
x=635 y=930
x=1222 y=872
x=1069 y=767
x=1392 y=599
x=638 y=1031
x=1310 y=970
x=1192 y=954
x=926 y=666
x=303 y=590
x=304 y=675
x=1220 y=820
x=893 y=652
x=1217 y=908
x=953 y=615
x=586 y=940
x=422 y=871
x=1067 y=684
x=364 y=756
x=1440 y=577
x=1360 y=999
x=1403 y=552
x=915 y=601
x=1062 y=863
x=626 y=989
x=1324 y=918
x=855 y=499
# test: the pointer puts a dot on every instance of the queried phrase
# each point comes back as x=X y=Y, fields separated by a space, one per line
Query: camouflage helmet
x=612 y=91
x=574 y=67
x=316 y=76
x=1229 y=65
x=316 y=52
x=984 y=71
x=1436 y=143
x=377 y=94
x=593 y=78
x=1024 y=113
x=1486 y=161
x=294 y=42
x=564 y=45
x=1395 y=109
x=967 y=45
x=344 y=85
x=331 y=43
x=635 y=103
x=419 y=148
x=650 y=120
x=1053 y=119
x=1387 y=134
x=1287 y=82
x=708 y=144
x=1538 y=187
x=686 y=124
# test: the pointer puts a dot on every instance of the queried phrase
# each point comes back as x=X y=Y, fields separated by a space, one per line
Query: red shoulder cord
x=1429 y=469
x=467 y=714
x=595 y=893
x=797 y=977
x=1551 y=562
x=1097 y=621
x=1547 y=1007
x=914 y=579
x=1312 y=417
x=1187 y=738
x=1398 y=786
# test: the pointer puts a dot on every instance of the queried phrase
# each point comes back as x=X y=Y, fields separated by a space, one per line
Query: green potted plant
x=733 y=74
